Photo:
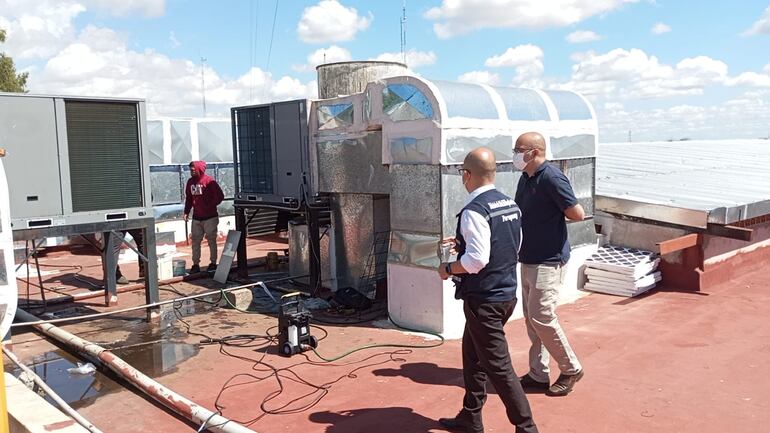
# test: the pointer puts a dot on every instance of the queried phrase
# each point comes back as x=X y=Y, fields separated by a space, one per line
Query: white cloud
x=761 y=26
x=479 y=77
x=99 y=63
x=527 y=61
x=172 y=39
x=330 y=54
x=330 y=21
x=39 y=29
x=414 y=58
x=746 y=116
x=148 y=8
x=456 y=17
x=635 y=74
x=660 y=28
x=516 y=56
x=582 y=36
x=751 y=79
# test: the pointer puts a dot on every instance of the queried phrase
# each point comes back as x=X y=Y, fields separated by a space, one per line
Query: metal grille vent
x=253 y=149
x=104 y=156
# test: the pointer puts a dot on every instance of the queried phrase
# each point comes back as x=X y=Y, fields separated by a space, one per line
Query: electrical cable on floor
x=262 y=343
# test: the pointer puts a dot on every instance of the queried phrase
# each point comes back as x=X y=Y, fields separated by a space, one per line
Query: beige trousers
x=540 y=290
x=208 y=229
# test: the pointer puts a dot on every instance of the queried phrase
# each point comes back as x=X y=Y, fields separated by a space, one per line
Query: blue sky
x=661 y=69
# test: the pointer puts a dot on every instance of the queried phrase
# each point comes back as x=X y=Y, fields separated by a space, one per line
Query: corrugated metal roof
x=718 y=177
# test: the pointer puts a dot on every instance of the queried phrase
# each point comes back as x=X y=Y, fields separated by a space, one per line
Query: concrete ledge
x=31 y=413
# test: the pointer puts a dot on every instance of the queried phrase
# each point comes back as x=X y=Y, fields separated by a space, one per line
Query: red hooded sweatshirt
x=202 y=194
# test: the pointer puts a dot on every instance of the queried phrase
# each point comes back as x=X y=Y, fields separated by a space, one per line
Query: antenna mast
x=403 y=31
x=203 y=83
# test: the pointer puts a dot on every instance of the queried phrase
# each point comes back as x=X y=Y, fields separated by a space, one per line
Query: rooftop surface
x=725 y=179
x=668 y=361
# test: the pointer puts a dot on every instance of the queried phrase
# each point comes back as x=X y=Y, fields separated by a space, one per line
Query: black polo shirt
x=543 y=197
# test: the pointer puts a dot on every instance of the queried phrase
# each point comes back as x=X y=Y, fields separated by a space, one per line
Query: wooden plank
x=678 y=244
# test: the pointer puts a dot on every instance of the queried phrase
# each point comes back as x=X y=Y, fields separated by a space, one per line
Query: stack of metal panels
x=622 y=271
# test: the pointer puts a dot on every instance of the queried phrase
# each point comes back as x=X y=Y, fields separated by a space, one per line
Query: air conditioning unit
x=74 y=160
x=270 y=154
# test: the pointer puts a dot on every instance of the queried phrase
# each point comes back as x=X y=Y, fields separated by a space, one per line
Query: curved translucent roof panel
x=402 y=101
x=466 y=100
x=569 y=105
x=523 y=104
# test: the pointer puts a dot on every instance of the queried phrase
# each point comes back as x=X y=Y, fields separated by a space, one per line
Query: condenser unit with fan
x=74 y=160
x=270 y=152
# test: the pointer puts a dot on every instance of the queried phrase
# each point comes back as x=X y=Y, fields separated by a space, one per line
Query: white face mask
x=518 y=161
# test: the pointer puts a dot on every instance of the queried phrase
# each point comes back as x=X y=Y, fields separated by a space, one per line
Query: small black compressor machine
x=294 y=326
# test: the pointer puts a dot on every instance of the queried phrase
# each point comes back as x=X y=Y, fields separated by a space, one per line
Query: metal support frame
x=242 y=226
x=109 y=260
x=312 y=216
x=32 y=253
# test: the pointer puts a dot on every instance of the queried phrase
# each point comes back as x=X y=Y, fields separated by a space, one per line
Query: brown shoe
x=564 y=384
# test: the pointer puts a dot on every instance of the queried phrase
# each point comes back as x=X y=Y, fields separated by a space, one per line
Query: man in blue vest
x=487 y=240
x=546 y=198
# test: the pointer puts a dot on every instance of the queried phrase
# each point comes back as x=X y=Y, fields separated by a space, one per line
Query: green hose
x=401 y=346
x=358 y=349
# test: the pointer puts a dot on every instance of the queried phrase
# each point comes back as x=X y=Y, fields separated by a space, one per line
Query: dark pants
x=486 y=357
x=138 y=236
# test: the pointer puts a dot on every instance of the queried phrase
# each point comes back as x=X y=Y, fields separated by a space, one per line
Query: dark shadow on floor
x=653 y=292
x=428 y=373
x=379 y=420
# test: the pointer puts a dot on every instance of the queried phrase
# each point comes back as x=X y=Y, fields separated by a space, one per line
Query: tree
x=10 y=81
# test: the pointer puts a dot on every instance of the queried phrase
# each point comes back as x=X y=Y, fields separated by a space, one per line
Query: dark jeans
x=486 y=357
x=138 y=236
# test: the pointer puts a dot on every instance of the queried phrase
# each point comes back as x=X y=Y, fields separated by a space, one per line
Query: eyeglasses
x=463 y=170
x=522 y=150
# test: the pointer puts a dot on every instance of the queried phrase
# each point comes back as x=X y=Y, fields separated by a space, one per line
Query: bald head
x=531 y=140
x=481 y=166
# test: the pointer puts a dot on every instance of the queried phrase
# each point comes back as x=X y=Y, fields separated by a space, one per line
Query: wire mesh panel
x=253 y=150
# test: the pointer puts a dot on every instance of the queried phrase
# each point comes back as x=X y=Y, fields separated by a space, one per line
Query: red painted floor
x=666 y=362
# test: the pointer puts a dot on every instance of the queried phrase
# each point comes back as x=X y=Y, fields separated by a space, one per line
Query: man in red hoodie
x=202 y=196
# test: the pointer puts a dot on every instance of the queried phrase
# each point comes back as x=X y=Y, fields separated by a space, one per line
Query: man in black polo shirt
x=545 y=197
x=486 y=240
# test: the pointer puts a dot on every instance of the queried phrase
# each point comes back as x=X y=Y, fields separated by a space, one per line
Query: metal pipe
x=51 y=393
x=165 y=396
x=140 y=307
